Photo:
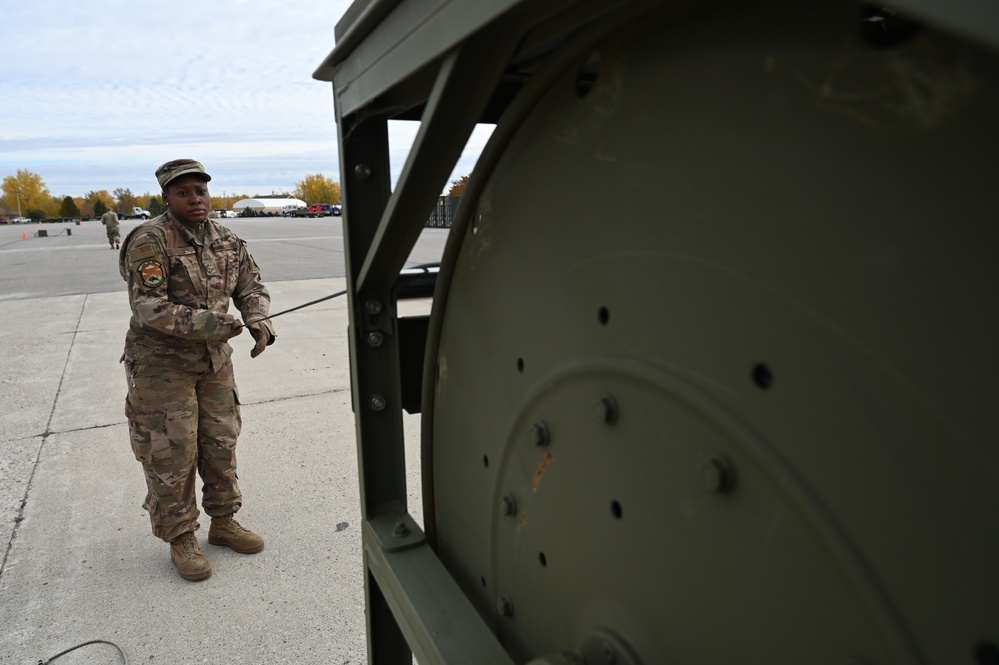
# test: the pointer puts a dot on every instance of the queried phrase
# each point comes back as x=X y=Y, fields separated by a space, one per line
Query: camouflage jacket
x=110 y=220
x=179 y=290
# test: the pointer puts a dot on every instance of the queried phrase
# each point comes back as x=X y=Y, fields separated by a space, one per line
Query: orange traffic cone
x=24 y=234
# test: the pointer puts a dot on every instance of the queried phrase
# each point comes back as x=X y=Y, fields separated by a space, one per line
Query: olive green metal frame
x=414 y=607
x=450 y=64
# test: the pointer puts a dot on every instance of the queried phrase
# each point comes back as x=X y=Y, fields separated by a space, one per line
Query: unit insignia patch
x=151 y=273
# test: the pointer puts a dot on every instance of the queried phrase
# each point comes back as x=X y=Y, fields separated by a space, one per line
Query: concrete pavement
x=79 y=562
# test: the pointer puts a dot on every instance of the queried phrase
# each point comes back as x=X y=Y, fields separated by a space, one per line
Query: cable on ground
x=63 y=653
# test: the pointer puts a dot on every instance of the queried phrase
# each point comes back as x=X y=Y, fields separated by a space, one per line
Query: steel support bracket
x=393 y=533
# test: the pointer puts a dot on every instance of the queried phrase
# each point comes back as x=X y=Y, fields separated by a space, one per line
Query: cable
x=313 y=302
x=425 y=267
x=124 y=657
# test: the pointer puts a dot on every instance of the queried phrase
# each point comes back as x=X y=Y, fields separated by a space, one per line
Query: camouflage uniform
x=110 y=220
x=182 y=405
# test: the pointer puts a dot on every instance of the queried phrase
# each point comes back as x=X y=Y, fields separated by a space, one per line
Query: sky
x=95 y=95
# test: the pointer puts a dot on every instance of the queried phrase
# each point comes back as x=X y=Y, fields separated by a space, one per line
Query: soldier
x=110 y=220
x=182 y=406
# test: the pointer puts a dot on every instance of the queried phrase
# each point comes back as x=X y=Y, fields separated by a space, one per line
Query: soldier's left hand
x=262 y=337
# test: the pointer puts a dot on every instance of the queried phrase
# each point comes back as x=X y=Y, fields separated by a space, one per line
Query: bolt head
x=605 y=410
x=508 y=505
x=377 y=403
x=711 y=476
x=504 y=606
x=374 y=339
x=362 y=171
x=718 y=474
x=373 y=307
x=539 y=434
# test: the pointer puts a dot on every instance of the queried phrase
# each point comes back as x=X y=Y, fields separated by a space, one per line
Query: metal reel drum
x=713 y=375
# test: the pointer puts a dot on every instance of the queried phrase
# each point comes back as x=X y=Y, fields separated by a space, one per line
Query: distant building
x=265 y=206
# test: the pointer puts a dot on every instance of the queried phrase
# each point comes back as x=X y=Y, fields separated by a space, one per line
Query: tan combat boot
x=188 y=557
x=227 y=531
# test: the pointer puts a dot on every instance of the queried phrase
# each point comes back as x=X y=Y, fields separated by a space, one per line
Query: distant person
x=182 y=407
x=110 y=222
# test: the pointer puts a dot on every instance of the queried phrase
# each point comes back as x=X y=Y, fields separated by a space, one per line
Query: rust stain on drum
x=541 y=469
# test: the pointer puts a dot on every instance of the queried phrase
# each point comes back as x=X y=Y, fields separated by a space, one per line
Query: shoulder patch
x=150 y=273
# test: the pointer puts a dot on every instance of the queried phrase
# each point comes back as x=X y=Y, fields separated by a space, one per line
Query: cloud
x=98 y=94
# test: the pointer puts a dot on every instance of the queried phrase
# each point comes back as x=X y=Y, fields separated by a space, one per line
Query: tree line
x=27 y=194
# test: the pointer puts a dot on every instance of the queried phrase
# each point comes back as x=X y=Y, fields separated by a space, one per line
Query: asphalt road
x=75 y=260
x=77 y=559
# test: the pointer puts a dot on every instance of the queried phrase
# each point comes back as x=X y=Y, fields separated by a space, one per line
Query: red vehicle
x=320 y=210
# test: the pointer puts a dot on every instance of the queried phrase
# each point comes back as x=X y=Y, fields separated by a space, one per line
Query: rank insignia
x=151 y=273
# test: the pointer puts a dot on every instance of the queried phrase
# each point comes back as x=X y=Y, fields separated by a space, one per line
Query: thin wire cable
x=313 y=302
x=423 y=266
x=121 y=651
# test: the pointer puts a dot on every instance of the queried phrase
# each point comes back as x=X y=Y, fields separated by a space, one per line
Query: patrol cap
x=177 y=168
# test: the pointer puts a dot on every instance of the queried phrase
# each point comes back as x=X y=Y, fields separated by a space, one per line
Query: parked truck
x=320 y=210
x=137 y=213
x=295 y=210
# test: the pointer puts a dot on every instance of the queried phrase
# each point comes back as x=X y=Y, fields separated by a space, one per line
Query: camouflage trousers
x=181 y=422
x=113 y=236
